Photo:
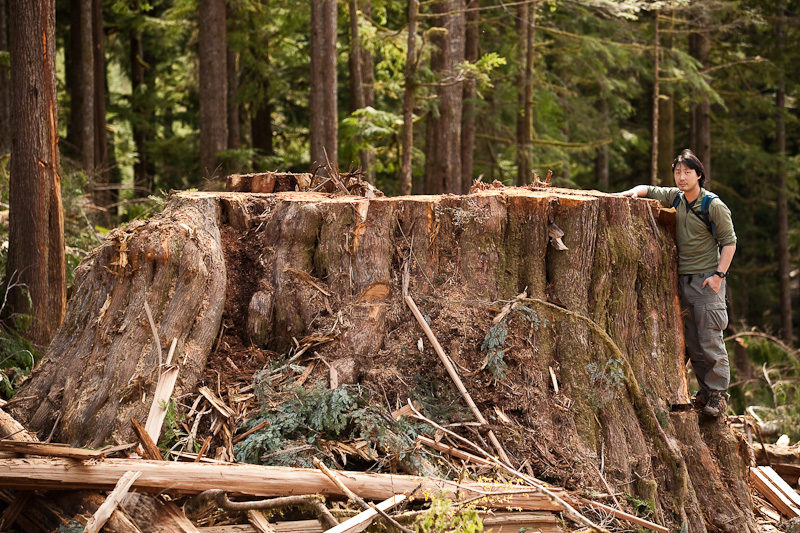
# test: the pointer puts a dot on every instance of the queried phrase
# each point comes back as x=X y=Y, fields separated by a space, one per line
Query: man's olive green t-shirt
x=698 y=251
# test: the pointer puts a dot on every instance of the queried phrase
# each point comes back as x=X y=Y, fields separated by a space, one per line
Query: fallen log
x=35 y=473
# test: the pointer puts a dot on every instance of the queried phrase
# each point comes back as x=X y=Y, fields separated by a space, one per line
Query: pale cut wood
x=178 y=520
x=158 y=411
x=252 y=480
x=104 y=512
x=451 y=450
x=516 y=522
x=624 y=516
x=779 y=483
x=406 y=410
x=259 y=522
x=362 y=520
x=298 y=526
x=773 y=494
x=454 y=376
x=216 y=402
x=56 y=450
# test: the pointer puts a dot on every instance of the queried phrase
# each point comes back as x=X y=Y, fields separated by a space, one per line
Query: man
x=706 y=244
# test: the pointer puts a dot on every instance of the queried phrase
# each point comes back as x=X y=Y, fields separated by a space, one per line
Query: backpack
x=703 y=215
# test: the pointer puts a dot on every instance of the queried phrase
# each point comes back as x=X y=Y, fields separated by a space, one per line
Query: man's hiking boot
x=717 y=404
x=700 y=399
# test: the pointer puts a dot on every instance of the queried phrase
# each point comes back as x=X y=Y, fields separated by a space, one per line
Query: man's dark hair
x=689 y=160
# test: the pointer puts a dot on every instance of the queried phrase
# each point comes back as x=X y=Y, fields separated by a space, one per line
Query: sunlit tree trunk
x=323 y=106
x=443 y=134
x=213 y=85
x=36 y=267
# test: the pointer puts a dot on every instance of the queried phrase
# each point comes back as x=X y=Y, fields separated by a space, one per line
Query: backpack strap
x=707 y=199
x=704 y=214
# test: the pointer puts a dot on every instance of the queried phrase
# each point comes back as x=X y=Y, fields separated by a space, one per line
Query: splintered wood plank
x=104 y=512
x=158 y=409
x=259 y=522
x=781 y=484
x=55 y=449
x=773 y=494
x=362 y=520
x=254 y=480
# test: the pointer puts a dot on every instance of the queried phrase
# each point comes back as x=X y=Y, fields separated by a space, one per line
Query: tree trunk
x=654 y=180
x=603 y=316
x=107 y=193
x=700 y=49
x=175 y=266
x=784 y=255
x=323 y=107
x=36 y=267
x=80 y=79
x=472 y=51
x=603 y=151
x=5 y=87
x=526 y=27
x=368 y=75
x=666 y=122
x=234 y=132
x=406 y=167
x=261 y=110
x=142 y=179
x=443 y=135
x=213 y=86
x=358 y=94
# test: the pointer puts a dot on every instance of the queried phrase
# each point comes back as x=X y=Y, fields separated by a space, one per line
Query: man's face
x=685 y=178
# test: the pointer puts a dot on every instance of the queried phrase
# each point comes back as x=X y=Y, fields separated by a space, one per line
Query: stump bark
x=602 y=317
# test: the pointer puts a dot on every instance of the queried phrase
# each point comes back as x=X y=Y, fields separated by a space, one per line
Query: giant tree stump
x=601 y=316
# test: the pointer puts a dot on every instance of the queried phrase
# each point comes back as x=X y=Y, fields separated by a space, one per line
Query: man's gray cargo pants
x=704 y=318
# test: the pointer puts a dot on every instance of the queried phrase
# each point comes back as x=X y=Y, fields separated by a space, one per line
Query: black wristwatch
x=723 y=275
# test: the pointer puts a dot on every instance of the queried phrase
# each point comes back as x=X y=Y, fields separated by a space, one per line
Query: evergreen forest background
x=426 y=96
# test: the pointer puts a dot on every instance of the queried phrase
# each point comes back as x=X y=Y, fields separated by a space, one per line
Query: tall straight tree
x=142 y=177
x=656 y=97
x=261 y=107
x=36 y=269
x=213 y=85
x=443 y=135
x=471 y=52
x=666 y=114
x=784 y=264
x=358 y=86
x=324 y=111
x=408 y=100
x=104 y=195
x=525 y=38
x=5 y=87
x=700 y=49
x=80 y=81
